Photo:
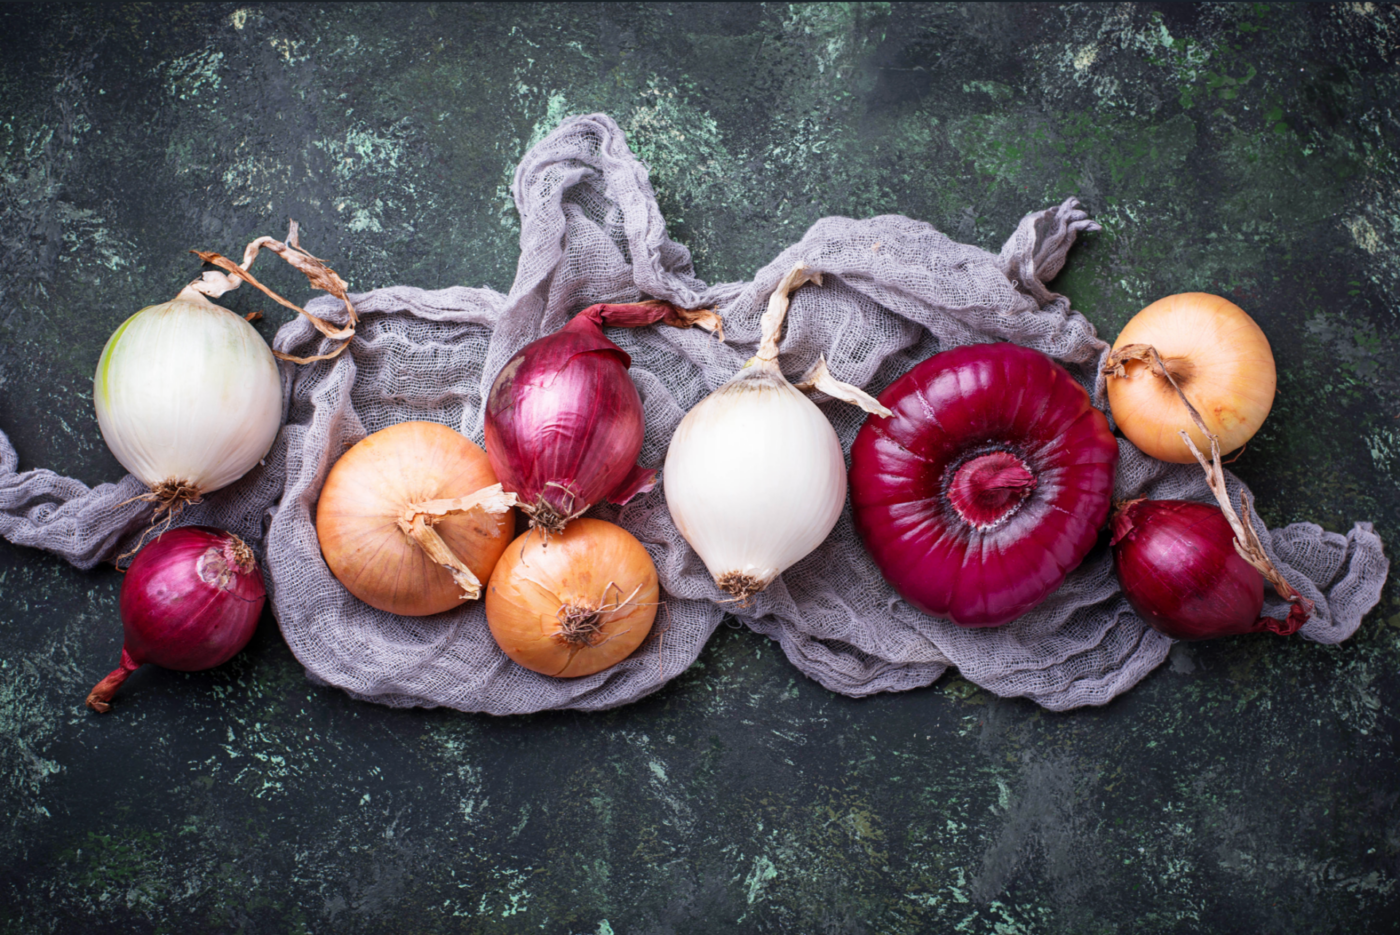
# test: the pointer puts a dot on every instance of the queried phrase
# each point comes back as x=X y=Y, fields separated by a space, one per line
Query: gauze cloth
x=894 y=292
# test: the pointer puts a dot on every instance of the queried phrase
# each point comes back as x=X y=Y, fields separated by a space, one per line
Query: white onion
x=755 y=478
x=188 y=397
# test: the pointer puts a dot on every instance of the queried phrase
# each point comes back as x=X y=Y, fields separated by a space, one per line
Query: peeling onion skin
x=1219 y=357
x=988 y=484
x=594 y=567
x=364 y=496
x=1179 y=570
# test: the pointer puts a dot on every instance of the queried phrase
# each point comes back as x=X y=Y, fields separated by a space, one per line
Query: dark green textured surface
x=1250 y=785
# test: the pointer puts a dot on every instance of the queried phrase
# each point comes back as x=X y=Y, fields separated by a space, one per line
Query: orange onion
x=1213 y=351
x=574 y=603
x=411 y=519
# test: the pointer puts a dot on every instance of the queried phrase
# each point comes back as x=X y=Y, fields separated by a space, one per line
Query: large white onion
x=755 y=480
x=188 y=397
x=754 y=477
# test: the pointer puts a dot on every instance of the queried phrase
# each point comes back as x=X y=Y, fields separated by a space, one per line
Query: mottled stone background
x=1249 y=786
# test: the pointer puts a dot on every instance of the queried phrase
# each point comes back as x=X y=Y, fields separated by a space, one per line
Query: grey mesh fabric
x=895 y=291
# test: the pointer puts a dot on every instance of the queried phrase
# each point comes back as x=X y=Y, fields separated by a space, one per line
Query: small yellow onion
x=574 y=603
x=1217 y=355
x=411 y=519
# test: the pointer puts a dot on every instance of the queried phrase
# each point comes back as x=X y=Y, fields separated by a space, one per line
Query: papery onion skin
x=988 y=484
x=187 y=392
x=1178 y=567
x=364 y=497
x=564 y=422
x=574 y=603
x=190 y=601
x=1219 y=357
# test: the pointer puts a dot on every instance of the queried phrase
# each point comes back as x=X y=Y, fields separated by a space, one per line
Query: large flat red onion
x=988 y=484
x=564 y=421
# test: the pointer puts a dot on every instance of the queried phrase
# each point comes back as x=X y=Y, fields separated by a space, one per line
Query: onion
x=1182 y=571
x=411 y=519
x=188 y=395
x=1179 y=570
x=575 y=603
x=1214 y=352
x=190 y=601
x=564 y=422
x=986 y=486
x=755 y=477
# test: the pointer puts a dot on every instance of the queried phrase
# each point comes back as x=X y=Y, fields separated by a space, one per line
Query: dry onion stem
x=418 y=519
x=1247 y=542
x=317 y=272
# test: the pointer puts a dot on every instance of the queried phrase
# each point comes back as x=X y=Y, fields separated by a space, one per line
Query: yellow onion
x=574 y=603
x=411 y=519
x=1216 y=355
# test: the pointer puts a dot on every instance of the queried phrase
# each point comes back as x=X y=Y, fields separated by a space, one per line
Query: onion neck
x=196 y=295
x=1298 y=613
x=100 y=698
x=773 y=317
x=986 y=489
x=1181 y=369
x=1121 y=521
x=416 y=521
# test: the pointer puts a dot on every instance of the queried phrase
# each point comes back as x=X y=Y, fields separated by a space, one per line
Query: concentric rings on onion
x=987 y=486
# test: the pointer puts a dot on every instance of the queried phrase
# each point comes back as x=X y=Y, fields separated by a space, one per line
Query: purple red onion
x=564 y=421
x=988 y=484
x=190 y=601
x=1179 y=569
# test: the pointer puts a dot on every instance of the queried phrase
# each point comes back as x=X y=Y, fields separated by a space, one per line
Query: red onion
x=1177 y=563
x=564 y=421
x=988 y=484
x=190 y=601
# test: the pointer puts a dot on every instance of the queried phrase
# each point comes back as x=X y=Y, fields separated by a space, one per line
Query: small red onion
x=190 y=601
x=988 y=484
x=1177 y=563
x=564 y=422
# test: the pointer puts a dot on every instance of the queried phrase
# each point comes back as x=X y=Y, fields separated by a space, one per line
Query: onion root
x=740 y=586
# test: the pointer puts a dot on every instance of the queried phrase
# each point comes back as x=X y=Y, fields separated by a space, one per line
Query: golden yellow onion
x=1216 y=354
x=411 y=519
x=575 y=603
